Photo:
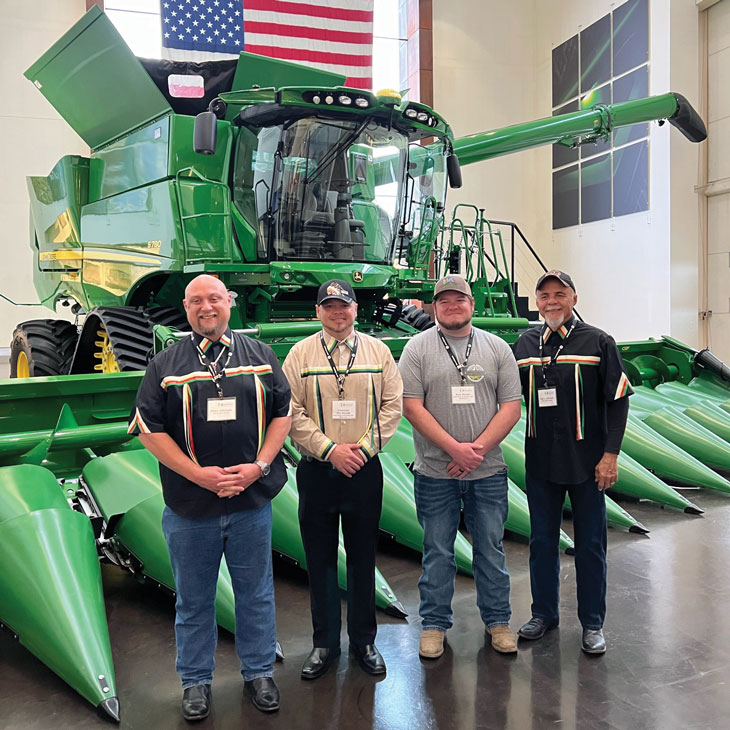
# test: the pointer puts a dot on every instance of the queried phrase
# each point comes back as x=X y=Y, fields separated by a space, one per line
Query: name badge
x=221 y=409
x=547 y=397
x=463 y=395
x=344 y=410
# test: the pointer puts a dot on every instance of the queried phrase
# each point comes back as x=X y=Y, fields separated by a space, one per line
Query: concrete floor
x=667 y=665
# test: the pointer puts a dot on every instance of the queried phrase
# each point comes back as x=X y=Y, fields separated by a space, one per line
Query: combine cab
x=276 y=179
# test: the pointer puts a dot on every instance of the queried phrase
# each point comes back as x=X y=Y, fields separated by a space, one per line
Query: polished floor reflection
x=667 y=666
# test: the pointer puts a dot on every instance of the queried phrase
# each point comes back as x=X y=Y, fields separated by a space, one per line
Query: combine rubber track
x=130 y=332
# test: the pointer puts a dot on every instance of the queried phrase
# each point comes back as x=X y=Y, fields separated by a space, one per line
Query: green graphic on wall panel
x=605 y=63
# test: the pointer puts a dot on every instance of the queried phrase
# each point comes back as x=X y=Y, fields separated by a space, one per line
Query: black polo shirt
x=173 y=398
x=564 y=442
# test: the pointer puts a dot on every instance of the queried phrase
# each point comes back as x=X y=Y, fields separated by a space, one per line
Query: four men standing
x=462 y=395
x=214 y=409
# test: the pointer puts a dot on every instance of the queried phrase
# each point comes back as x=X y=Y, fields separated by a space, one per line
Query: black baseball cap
x=561 y=276
x=336 y=289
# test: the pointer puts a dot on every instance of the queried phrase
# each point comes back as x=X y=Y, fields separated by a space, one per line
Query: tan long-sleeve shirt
x=373 y=383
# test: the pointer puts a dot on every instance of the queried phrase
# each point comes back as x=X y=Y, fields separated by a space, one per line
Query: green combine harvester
x=275 y=180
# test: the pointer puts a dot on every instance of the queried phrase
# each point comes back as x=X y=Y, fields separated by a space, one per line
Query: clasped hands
x=228 y=481
x=465 y=458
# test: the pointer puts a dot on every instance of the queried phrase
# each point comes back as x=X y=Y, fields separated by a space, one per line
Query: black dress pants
x=325 y=496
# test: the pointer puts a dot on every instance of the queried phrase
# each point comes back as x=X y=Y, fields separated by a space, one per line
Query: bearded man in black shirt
x=214 y=410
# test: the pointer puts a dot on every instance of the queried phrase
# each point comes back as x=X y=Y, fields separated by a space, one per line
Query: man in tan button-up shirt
x=346 y=404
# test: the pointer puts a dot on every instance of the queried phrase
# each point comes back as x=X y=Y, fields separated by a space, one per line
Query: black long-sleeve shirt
x=564 y=442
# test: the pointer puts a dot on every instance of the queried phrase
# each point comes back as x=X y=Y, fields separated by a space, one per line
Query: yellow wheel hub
x=105 y=355
x=22 y=366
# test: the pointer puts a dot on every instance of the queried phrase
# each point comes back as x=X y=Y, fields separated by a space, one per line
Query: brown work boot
x=431 y=645
x=503 y=639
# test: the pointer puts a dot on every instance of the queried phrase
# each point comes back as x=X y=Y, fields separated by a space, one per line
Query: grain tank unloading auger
x=307 y=180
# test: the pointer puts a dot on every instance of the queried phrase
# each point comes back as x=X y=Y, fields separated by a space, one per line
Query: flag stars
x=167 y=35
x=237 y=42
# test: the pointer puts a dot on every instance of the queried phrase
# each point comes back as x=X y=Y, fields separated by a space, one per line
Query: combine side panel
x=50 y=584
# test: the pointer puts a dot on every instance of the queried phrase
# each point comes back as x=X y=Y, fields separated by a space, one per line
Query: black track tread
x=48 y=343
x=416 y=317
x=130 y=331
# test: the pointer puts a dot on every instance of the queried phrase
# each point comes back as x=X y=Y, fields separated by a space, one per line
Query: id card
x=344 y=410
x=547 y=397
x=463 y=395
x=221 y=409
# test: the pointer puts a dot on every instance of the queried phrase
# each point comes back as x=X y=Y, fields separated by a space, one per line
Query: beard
x=553 y=321
x=454 y=325
x=212 y=330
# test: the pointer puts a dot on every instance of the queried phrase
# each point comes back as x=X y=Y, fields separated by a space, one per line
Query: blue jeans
x=196 y=548
x=438 y=504
x=589 y=525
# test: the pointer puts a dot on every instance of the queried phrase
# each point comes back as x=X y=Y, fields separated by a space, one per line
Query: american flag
x=333 y=35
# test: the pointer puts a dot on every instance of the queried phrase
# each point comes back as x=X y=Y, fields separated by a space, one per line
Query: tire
x=416 y=317
x=42 y=347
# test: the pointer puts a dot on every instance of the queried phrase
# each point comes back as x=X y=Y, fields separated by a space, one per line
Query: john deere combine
x=275 y=178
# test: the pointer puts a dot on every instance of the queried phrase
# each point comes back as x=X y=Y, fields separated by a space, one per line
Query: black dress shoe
x=196 y=702
x=369 y=658
x=318 y=662
x=593 y=641
x=264 y=694
x=536 y=628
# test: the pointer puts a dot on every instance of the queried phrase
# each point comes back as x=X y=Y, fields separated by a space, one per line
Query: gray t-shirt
x=428 y=373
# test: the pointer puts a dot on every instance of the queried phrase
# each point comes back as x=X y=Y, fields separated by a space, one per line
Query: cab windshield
x=329 y=189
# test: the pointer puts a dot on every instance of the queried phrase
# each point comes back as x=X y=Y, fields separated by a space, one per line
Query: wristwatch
x=265 y=468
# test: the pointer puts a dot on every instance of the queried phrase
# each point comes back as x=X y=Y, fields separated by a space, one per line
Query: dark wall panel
x=631 y=179
x=565 y=197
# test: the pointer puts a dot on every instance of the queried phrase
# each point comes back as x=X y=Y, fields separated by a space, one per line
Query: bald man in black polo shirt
x=214 y=410
x=576 y=389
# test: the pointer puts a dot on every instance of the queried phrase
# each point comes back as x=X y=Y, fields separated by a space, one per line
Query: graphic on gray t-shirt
x=429 y=374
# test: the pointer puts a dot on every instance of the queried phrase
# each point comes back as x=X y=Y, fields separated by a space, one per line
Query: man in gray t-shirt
x=461 y=393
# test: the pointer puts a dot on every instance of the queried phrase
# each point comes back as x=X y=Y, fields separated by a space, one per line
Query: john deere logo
x=357 y=276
